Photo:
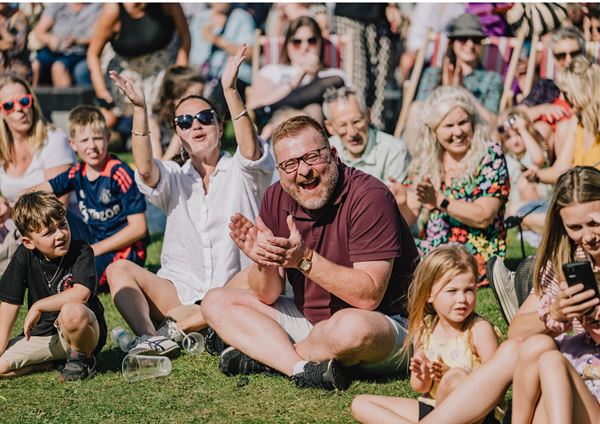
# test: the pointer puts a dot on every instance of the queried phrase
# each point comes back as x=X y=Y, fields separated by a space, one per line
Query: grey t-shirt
x=68 y=23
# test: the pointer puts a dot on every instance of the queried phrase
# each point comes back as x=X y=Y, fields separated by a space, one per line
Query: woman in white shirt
x=198 y=198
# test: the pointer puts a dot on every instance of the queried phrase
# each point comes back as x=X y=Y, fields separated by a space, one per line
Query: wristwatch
x=444 y=203
x=306 y=263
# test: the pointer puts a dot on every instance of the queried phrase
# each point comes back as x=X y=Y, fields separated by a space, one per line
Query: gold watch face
x=304 y=265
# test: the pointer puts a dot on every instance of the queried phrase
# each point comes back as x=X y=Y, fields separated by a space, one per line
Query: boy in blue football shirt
x=107 y=195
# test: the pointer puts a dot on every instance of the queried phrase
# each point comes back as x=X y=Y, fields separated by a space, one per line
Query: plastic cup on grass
x=193 y=343
x=143 y=367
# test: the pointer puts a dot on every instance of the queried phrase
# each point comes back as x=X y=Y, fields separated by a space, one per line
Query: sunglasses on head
x=297 y=42
x=26 y=101
x=563 y=55
x=205 y=117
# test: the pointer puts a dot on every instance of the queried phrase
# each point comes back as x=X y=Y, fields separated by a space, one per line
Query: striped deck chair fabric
x=592 y=49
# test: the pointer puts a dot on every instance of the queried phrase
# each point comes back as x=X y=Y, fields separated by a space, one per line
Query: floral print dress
x=490 y=179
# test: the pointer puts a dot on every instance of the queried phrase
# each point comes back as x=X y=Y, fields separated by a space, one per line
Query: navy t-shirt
x=106 y=202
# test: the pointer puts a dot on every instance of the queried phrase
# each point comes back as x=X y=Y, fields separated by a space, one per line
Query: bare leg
x=249 y=325
x=526 y=380
x=450 y=381
x=566 y=397
x=351 y=336
x=369 y=409
x=75 y=321
x=481 y=391
x=60 y=75
x=140 y=296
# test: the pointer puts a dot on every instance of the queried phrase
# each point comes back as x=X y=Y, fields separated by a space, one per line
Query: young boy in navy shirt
x=107 y=195
x=65 y=319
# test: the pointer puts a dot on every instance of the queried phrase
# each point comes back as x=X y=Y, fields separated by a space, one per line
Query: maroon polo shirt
x=361 y=223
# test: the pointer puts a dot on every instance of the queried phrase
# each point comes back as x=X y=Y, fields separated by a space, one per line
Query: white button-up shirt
x=197 y=252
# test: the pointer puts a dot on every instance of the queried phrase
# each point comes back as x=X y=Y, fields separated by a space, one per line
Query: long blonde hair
x=578 y=185
x=441 y=264
x=580 y=81
x=39 y=128
x=429 y=153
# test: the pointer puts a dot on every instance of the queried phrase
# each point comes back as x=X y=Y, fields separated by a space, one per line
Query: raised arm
x=140 y=133
x=176 y=12
x=103 y=32
x=245 y=133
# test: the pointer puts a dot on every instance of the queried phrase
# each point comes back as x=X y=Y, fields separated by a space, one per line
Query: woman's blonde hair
x=429 y=152
x=580 y=81
x=441 y=264
x=578 y=185
x=39 y=128
x=513 y=111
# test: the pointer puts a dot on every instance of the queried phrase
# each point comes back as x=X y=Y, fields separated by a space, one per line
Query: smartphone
x=581 y=272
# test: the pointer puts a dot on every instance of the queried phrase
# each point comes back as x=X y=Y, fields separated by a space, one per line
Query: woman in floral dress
x=458 y=181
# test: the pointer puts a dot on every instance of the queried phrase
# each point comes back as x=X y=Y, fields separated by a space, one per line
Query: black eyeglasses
x=25 y=102
x=297 y=42
x=563 y=55
x=205 y=117
x=310 y=158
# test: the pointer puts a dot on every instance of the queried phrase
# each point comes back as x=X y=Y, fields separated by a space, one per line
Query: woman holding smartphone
x=572 y=233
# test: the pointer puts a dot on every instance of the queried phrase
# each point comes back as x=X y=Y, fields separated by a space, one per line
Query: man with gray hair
x=359 y=144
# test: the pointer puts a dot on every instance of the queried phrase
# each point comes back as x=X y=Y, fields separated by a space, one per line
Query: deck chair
x=498 y=54
x=337 y=50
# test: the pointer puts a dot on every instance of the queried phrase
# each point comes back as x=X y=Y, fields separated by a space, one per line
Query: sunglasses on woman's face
x=9 y=106
x=297 y=42
x=205 y=117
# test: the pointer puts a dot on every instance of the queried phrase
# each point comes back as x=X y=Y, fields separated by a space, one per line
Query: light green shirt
x=384 y=156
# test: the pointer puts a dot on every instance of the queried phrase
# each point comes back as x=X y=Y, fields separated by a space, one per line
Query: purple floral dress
x=490 y=179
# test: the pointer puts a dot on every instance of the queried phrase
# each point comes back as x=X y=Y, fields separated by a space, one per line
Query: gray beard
x=326 y=185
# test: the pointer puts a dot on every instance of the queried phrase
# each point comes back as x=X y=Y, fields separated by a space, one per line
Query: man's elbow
x=368 y=303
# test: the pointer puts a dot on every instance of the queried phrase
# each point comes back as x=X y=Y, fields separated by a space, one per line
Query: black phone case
x=581 y=272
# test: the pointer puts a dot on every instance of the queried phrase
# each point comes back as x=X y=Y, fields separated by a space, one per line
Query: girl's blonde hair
x=39 y=128
x=513 y=111
x=441 y=264
x=580 y=81
x=578 y=185
x=429 y=152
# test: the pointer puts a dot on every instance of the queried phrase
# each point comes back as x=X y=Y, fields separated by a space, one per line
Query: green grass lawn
x=194 y=392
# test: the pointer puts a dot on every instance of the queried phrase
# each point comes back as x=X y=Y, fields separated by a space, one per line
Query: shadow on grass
x=110 y=360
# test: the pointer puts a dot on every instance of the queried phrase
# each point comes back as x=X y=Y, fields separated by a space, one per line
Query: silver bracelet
x=140 y=134
x=242 y=113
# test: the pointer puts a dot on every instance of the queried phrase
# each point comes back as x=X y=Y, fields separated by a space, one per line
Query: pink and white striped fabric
x=332 y=50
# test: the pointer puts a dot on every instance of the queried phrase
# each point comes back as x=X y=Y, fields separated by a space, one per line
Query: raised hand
x=246 y=235
x=398 y=190
x=229 y=78
x=438 y=368
x=427 y=194
x=129 y=89
x=281 y=251
x=419 y=365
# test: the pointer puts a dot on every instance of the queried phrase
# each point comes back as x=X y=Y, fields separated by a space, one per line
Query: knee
x=58 y=68
x=215 y=302
x=115 y=273
x=452 y=379
x=552 y=359
x=73 y=316
x=534 y=346
x=348 y=329
x=359 y=404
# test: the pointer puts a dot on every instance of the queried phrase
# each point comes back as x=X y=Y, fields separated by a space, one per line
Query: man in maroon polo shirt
x=348 y=254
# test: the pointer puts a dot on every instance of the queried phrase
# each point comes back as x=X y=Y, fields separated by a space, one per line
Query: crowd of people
x=323 y=248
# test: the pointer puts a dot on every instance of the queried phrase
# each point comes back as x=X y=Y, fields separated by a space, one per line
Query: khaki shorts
x=298 y=328
x=22 y=353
